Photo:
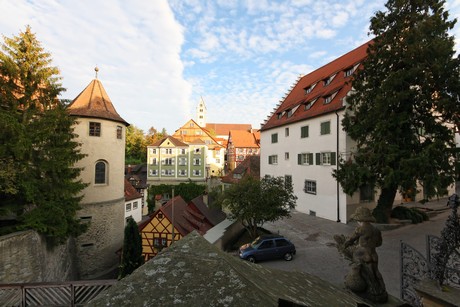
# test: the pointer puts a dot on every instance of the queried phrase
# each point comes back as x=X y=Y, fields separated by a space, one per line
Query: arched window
x=100 y=173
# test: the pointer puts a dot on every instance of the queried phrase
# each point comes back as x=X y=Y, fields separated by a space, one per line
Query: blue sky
x=157 y=58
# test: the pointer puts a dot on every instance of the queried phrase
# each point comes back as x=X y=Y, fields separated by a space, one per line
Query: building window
x=153 y=151
x=183 y=151
x=167 y=172
x=304 y=132
x=326 y=158
x=182 y=172
x=289 y=113
x=197 y=161
x=349 y=72
x=168 y=151
x=153 y=161
x=325 y=128
x=160 y=215
x=100 y=173
x=128 y=207
x=327 y=99
x=275 y=138
x=153 y=172
x=327 y=81
x=273 y=159
x=119 y=132
x=94 y=129
x=196 y=172
x=310 y=187
x=286 y=156
x=309 y=104
x=182 y=161
x=197 y=150
x=288 y=181
x=286 y=131
x=305 y=159
x=135 y=205
x=168 y=161
x=280 y=115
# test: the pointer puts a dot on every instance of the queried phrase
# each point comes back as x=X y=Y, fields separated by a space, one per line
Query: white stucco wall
x=324 y=204
x=133 y=209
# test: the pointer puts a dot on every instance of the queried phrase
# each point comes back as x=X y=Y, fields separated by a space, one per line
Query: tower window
x=94 y=129
x=100 y=173
x=119 y=132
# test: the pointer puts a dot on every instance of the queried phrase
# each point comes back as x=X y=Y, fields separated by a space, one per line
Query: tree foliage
x=137 y=142
x=254 y=202
x=131 y=257
x=187 y=191
x=39 y=184
x=404 y=105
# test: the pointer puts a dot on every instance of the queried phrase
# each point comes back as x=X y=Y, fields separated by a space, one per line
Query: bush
x=413 y=214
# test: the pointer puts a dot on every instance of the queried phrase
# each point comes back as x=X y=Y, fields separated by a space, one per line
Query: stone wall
x=25 y=258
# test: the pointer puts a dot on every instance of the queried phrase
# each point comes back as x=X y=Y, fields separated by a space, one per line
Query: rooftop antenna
x=96 y=69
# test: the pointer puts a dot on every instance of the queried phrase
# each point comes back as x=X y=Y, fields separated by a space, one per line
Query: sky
x=158 y=58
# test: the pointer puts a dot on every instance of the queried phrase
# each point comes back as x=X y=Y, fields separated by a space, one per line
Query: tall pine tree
x=404 y=105
x=131 y=257
x=39 y=185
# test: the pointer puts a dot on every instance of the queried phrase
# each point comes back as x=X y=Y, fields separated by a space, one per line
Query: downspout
x=337 y=166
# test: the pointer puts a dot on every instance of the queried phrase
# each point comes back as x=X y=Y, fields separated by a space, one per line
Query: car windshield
x=256 y=242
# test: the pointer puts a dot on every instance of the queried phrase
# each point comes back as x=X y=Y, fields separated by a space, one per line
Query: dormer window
x=308 y=89
x=289 y=113
x=328 y=80
x=280 y=115
x=349 y=71
x=310 y=104
x=327 y=99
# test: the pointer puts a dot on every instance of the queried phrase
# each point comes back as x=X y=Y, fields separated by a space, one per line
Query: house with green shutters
x=172 y=161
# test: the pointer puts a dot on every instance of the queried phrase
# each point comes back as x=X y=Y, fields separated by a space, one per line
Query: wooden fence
x=74 y=293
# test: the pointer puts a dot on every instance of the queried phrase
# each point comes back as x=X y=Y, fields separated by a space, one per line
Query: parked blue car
x=268 y=247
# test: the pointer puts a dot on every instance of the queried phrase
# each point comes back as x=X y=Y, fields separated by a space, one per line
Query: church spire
x=201 y=113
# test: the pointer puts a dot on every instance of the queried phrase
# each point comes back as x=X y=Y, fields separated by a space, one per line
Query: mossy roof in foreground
x=193 y=272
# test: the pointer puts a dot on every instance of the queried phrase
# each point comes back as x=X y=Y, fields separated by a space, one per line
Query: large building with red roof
x=303 y=138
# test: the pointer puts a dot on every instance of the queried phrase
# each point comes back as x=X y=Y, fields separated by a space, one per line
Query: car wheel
x=252 y=259
x=288 y=257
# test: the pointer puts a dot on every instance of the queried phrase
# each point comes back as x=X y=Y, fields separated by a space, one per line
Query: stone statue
x=364 y=278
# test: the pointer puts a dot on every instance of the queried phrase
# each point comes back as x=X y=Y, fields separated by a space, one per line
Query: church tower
x=101 y=132
x=201 y=113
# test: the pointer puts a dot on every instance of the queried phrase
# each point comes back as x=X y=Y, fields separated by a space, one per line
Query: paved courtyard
x=317 y=255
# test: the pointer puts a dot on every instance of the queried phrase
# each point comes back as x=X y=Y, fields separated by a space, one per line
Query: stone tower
x=201 y=113
x=101 y=132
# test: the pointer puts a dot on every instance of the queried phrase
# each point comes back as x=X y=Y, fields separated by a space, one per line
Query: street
x=316 y=254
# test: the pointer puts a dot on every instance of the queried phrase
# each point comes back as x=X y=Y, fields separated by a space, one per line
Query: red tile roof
x=94 y=102
x=173 y=140
x=298 y=98
x=250 y=166
x=244 y=139
x=130 y=192
x=224 y=129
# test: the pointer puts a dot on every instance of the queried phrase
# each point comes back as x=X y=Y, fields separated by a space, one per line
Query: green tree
x=153 y=135
x=131 y=257
x=404 y=104
x=39 y=186
x=136 y=146
x=254 y=202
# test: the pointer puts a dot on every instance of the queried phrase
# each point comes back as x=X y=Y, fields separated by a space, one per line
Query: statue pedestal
x=433 y=296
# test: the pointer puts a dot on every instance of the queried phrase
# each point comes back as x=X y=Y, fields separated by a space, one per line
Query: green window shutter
x=310 y=158
x=299 y=159
x=269 y=159
x=318 y=158
x=333 y=158
x=306 y=131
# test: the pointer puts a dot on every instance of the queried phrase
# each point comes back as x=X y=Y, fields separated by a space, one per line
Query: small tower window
x=100 y=173
x=94 y=129
x=119 y=132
